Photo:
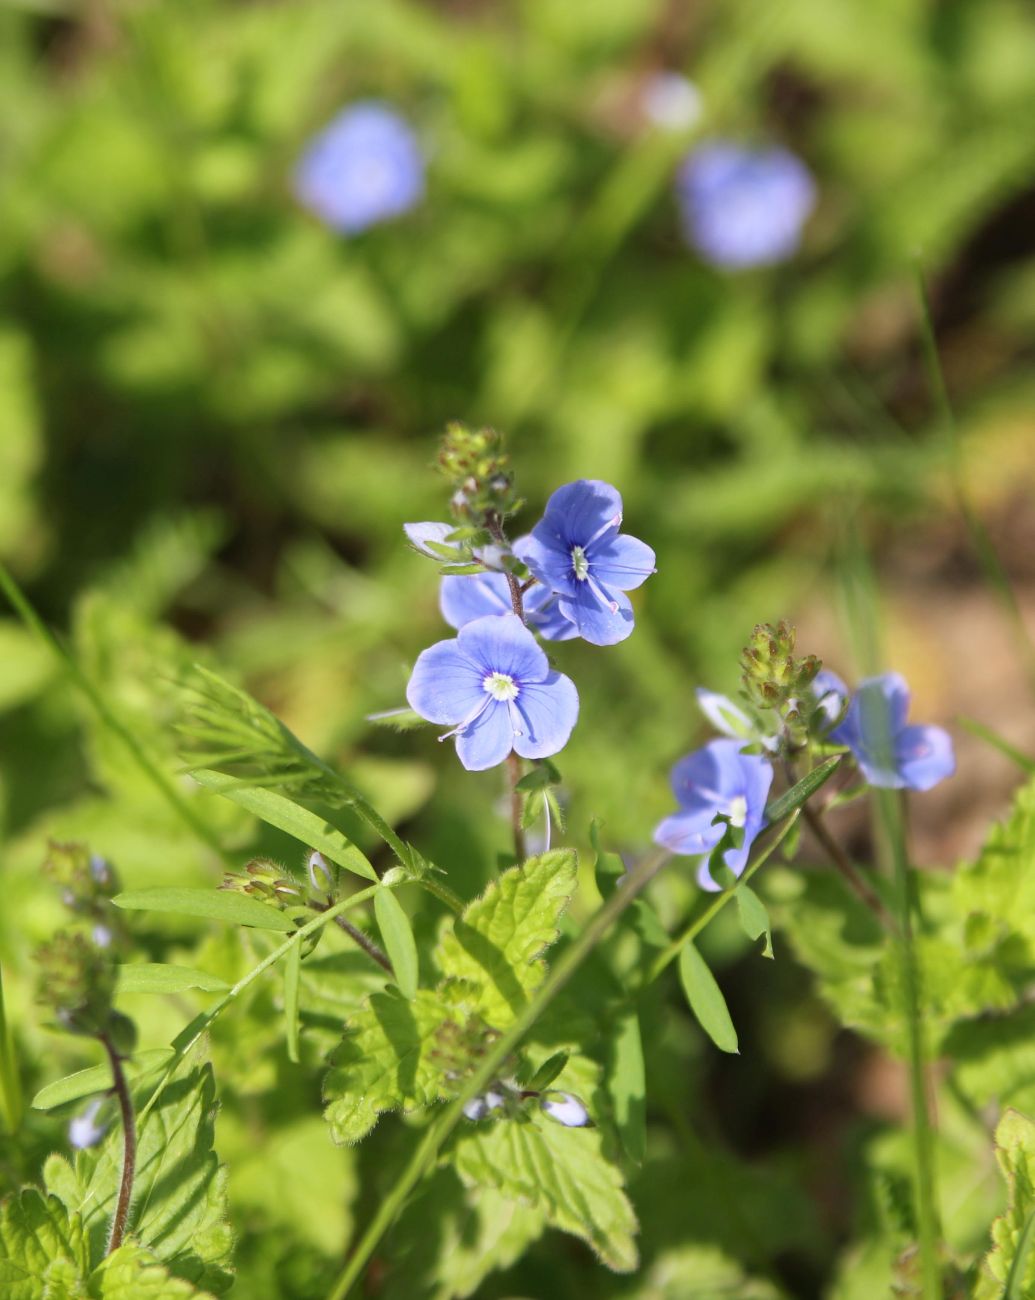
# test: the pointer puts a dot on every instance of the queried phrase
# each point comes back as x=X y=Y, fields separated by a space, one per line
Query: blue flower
x=889 y=752
x=463 y=598
x=716 y=779
x=362 y=169
x=494 y=687
x=577 y=551
x=743 y=207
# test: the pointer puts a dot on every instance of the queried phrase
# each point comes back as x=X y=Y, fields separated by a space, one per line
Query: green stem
x=189 y=1035
x=10 y=1084
x=669 y=954
x=158 y=778
x=430 y=1145
x=889 y=809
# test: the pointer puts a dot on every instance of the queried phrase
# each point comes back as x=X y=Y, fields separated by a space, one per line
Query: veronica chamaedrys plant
x=364 y=168
x=577 y=552
x=463 y=598
x=743 y=207
x=890 y=752
x=493 y=685
x=716 y=781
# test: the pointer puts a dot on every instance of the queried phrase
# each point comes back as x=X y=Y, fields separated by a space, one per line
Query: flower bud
x=565 y=1108
x=319 y=873
x=77 y=982
x=83 y=1130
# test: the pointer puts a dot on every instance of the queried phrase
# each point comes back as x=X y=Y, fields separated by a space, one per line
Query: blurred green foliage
x=216 y=414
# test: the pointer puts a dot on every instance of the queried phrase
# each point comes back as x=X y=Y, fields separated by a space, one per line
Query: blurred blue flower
x=83 y=1130
x=494 y=687
x=362 y=169
x=743 y=207
x=831 y=693
x=889 y=752
x=670 y=101
x=463 y=598
x=576 y=551
x=716 y=779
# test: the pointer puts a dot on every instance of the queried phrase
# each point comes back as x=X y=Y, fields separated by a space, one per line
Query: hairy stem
x=357 y=936
x=517 y=599
x=841 y=860
x=129 y=1148
x=514 y=774
x=889 y=809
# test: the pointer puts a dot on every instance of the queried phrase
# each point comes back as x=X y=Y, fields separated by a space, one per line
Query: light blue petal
x=502 y=644
x=419 y=535
x=544 y=614
x=463 y=598
x=487 y=741
x=445 y=686
x=724 y=715
x=621 y=561
x=925 y=756
x=688 y=834
x=594 y=620
x=548 y=559
x=579 y=510
x=547 y=713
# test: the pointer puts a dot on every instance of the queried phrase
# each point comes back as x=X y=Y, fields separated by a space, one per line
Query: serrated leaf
x=292 y=975
x=96 y=1078
x=397 y=934
x=627 y=1084
x=1011 y=1261
x=802 y=791
x=211 y=904
x=559 y=1171
x=179 y=1194
x=706 y=999
x=495 y=946
x=42 y=1248
x=390 y=1059
x=133 y=1273
x=156 y=977
x=277 y=810
x=754 y=917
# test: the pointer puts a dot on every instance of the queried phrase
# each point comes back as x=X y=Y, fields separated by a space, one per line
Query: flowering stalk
x=517 y=600
x=129 y=1147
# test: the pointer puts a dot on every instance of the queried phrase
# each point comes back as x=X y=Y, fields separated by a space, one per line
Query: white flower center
x=500 y=686
x=738 y=811
x=580 y=563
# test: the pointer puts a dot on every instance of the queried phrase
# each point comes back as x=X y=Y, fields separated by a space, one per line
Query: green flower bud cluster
x=458 y=1047
x=478 y=471
x=77 y=983
x=266 y=881
x=774 y=679
x=88 y=883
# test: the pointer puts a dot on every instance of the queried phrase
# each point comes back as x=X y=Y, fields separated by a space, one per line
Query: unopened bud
x=319 y=872
x=565 y=1108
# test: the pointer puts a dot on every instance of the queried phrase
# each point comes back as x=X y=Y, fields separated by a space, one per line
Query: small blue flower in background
x=718 y=778
x=742 y=207
x=577 y=551
x=364 y=168
x=494 y=687
x=831 y=693
x=891 y=753
x=83 y=1130
x=464 y=598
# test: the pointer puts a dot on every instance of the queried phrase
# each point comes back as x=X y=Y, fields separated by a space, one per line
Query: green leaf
x=156 y=977
x=562 y=1172
x=42 y=1248
x=609 y=867
x=292 y=974
x=397 y=934
x=495 y=947
x=97 y=1078
x=179 y=1195
x=286 y=815
x=1011 y=1261
x=548 y=1071
x=394 y=1056
x=706 y=1000
x=628 y=1085
x=133 y=1273
x=803 y=790
x=212 y=904
x=754 y=918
